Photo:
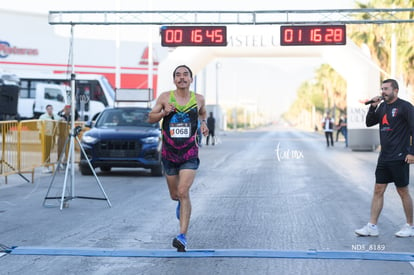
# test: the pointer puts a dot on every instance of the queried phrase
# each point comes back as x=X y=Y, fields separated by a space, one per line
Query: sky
x=47 y=5
x=249 y=80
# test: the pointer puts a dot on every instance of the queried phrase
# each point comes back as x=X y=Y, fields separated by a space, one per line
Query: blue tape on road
x=217 y=253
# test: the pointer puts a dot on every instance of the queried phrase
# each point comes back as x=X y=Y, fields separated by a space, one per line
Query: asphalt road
x=269 y=189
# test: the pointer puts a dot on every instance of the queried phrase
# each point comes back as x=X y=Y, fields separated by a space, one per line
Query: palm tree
x=378 y=40
x=334 y=87
x=327 y=91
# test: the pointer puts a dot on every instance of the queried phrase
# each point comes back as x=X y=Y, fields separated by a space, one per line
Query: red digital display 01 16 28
x=174 y=36
x=309 y=35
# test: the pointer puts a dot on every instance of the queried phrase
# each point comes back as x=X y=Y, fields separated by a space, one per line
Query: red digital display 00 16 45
x=312 y=35
x=175 y=36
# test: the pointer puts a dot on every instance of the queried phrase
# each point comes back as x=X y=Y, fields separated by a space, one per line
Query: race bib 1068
x=180 y=130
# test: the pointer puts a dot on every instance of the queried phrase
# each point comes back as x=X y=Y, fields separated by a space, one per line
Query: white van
x=46 y=94
x=93 y=92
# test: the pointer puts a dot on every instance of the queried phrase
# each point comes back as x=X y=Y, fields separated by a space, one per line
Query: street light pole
x=218 y=65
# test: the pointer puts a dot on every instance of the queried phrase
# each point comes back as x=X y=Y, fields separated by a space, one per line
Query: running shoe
x=367 y=230
x=180 y=242
x=177 y=210
x=406 y=231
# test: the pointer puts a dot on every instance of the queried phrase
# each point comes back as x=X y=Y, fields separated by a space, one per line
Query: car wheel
x=85 y=170
x=157 y=171
x=105 y=168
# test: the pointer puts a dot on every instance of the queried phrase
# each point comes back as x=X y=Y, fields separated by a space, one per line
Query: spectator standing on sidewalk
x=48 y=129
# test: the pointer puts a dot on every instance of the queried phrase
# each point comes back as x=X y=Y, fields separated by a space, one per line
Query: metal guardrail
x=9 y=159
x=30 y=144
x=259 y=17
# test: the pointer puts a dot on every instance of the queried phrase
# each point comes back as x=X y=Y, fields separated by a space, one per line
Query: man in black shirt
x=211 y=125
x=64 y=129
x=396 y=125
x=65 y=114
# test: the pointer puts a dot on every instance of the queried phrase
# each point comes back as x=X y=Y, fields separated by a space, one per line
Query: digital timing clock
x=312 y=35
x=174 y=36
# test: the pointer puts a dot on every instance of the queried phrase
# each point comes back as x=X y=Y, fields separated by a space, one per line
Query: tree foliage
x=378 y=38
x=325 y=92
x=328 y=89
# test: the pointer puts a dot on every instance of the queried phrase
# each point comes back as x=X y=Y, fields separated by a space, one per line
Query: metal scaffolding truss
x=261 y=17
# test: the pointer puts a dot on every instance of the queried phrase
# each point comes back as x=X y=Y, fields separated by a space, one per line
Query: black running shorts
x=393 y=171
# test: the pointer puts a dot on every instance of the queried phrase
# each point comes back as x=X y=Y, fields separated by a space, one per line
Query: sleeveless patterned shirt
x=179 y=131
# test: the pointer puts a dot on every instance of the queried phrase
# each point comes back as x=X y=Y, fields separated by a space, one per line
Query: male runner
x=180 y=110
